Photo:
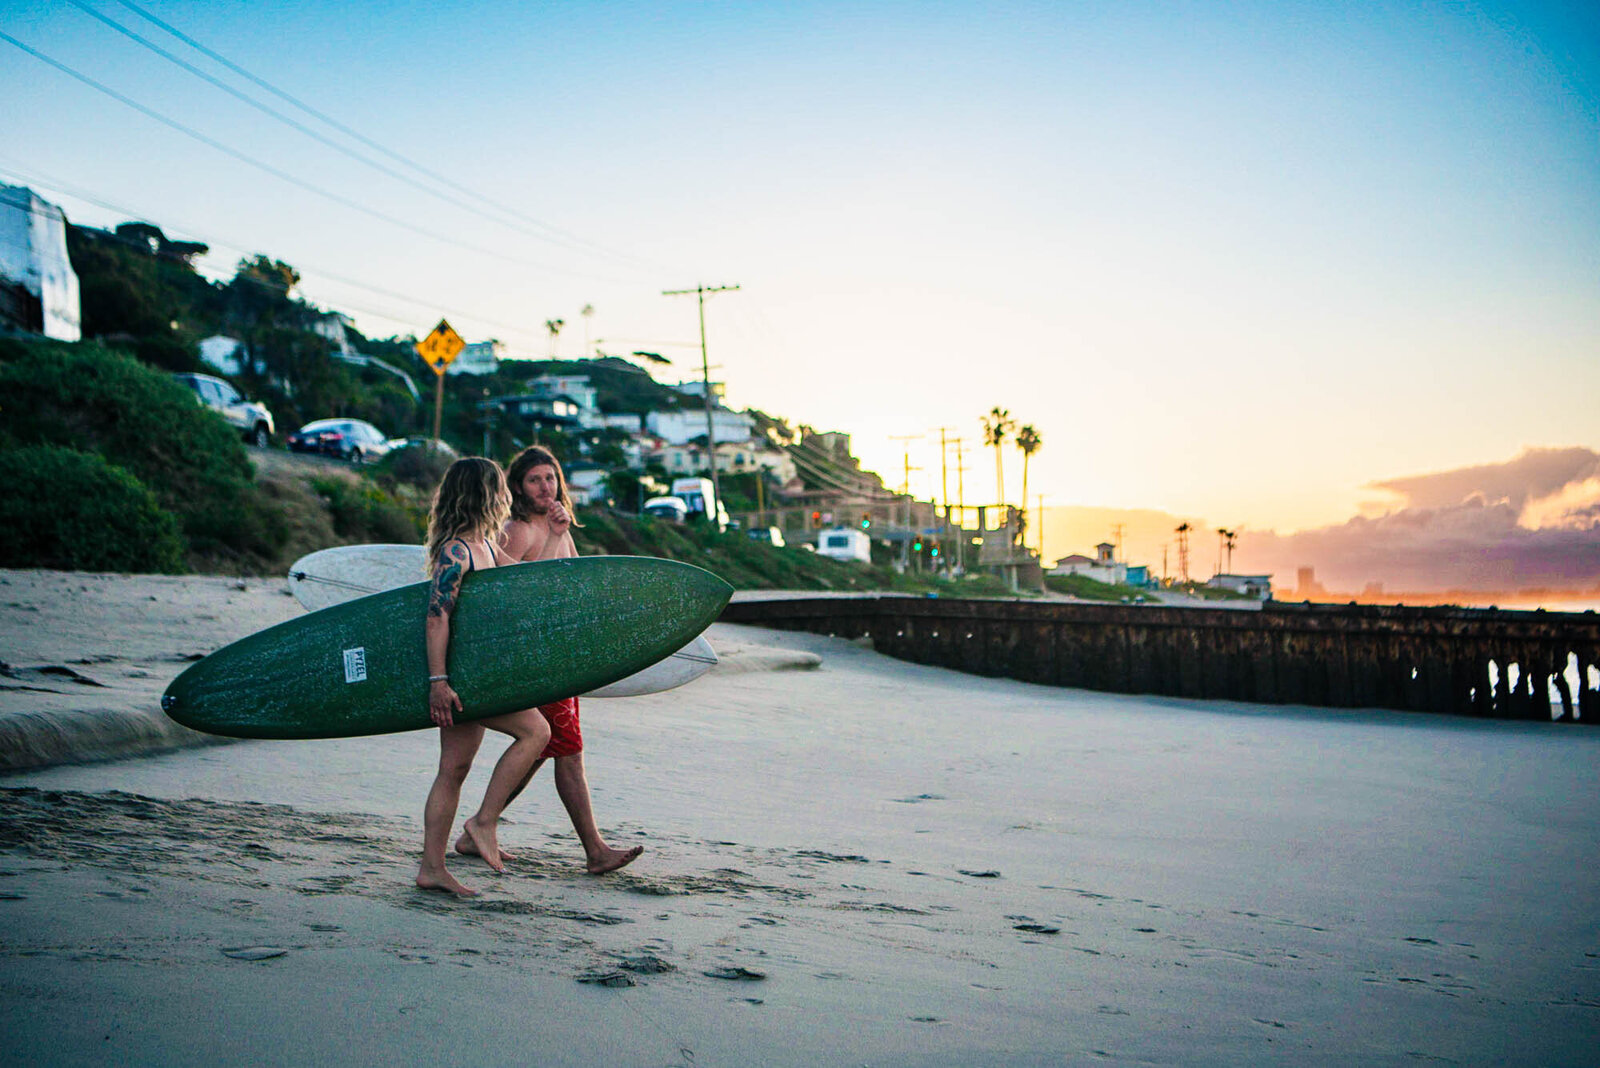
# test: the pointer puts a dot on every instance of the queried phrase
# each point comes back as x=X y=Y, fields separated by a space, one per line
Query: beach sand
x=862 y=862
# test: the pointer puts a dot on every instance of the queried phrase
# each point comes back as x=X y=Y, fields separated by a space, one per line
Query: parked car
x=250 y=418
x=348 y=439
x=768 y=536
x=672 y=509
x=438 y=444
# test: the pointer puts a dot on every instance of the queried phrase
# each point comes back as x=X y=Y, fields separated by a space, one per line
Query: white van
x=845 y=543
x=701 y=498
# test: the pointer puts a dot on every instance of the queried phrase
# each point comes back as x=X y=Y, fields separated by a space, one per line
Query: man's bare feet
x=612 y=859
x=468 y=848
x=484 y=838
x=443 y=882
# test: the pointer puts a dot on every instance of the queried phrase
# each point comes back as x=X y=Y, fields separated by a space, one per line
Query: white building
x=38 y=287
x=331 y=326
x=681 y=427
x=477 y=358
x=1250 y=585
x=1102 y=568
x=587 y=484
x=223 y=353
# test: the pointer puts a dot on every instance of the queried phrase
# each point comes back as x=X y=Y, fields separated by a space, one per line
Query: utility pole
x=705 y=376
x=1116 y=537
x=905 y=492
x=1041 y=530
x=944 y=494
x=961 y=506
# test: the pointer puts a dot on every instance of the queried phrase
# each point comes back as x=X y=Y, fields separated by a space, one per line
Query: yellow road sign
x=440 y=347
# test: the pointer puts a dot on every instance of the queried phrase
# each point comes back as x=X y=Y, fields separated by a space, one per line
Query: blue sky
x=1234 y=261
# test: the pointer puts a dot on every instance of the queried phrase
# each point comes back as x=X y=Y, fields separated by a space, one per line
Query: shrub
x=362 y=512
x=86 y=398
x=71 y=510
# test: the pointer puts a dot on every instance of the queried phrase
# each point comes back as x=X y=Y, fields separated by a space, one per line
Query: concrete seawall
x=1475 y=662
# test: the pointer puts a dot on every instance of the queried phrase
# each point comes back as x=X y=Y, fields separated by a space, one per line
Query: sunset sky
x=1237 y=262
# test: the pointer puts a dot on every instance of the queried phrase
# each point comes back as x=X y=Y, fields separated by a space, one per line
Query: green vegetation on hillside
x=1092 y=590
x=72 y=511
x=85 y=398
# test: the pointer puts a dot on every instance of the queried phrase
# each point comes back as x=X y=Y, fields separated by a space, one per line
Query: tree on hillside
x=1028 y=440
x=997 y=426
x=135 y=284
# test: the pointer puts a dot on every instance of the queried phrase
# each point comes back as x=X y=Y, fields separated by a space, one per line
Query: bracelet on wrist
x=438 y=678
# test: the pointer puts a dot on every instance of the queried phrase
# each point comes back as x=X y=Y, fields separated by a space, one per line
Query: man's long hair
x=525 y=461
x=471 y=503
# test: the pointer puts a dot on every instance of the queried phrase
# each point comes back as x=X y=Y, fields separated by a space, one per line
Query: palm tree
x=1183 y=529
x=1028 y=440
x=554 y=326
x=1228 y=537
x=996 y=427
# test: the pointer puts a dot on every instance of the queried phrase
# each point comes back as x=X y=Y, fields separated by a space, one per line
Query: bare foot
x=468 y=848
x=484 y=839
x=612 y=859
x=444 y=883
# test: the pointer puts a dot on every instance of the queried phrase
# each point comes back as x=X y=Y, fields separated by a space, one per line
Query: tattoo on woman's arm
x=447 y=580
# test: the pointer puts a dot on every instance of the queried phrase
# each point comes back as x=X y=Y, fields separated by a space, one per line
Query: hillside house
x=1259 y=586
x=478 y=358
x=1102 y=567
x=681 y=427
x=38 y=287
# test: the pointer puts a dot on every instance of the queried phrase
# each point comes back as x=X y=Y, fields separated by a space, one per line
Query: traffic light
x=866 y=520
x=816 y=520
x=916 y=546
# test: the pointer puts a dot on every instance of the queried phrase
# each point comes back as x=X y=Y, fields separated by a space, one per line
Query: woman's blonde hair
x=471 y=503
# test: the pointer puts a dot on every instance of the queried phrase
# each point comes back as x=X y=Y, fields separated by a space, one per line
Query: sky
x=1252 y=264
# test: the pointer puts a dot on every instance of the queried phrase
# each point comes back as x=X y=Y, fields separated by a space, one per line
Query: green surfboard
x=520 y=636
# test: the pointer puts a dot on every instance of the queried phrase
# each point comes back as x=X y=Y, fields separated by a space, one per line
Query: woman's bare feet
x=468 y=848
x=609 y=859
x=484 y=838
x=443 y=882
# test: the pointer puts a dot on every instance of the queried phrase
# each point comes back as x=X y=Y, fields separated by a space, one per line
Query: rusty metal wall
x=1505 y=665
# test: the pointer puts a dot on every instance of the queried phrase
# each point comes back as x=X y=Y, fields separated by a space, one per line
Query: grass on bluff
x=1093 y=590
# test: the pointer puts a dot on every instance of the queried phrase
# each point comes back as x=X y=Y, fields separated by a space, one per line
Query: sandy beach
x=849 y=860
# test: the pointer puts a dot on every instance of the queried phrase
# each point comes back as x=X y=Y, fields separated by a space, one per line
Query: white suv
x=250 y=418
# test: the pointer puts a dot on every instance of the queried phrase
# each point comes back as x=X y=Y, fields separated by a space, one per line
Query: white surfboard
x=333 y=576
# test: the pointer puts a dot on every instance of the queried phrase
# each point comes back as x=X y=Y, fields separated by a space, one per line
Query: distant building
x=38 y=287
x=1307 y=588
x=733 y=458
x=576 y=388
x=1102 y=568
x=477 y=358
x=697 y=389
x=223 y=353
x=331 y=325
x=587 y=482
x=1250 y=585
x=681 y=427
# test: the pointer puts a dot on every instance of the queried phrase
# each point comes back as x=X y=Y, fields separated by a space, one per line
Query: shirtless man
x=539 y=529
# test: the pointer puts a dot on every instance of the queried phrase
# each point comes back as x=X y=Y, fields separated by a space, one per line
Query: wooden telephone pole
x=705 y=376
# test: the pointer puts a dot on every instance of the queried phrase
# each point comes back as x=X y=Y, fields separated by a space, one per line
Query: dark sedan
x=348 y=439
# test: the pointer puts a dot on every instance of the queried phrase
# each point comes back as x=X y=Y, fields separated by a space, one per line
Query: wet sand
x=867 y=862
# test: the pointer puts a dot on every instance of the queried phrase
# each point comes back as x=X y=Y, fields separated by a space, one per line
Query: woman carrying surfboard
x=469 y=509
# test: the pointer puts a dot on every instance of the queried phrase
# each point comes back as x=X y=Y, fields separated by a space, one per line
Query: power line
x=180 y=230
x=344 y=129
x=571 y=244
x=284 y=175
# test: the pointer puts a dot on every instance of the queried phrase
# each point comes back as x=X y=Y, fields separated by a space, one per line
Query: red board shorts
x=565 y=737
